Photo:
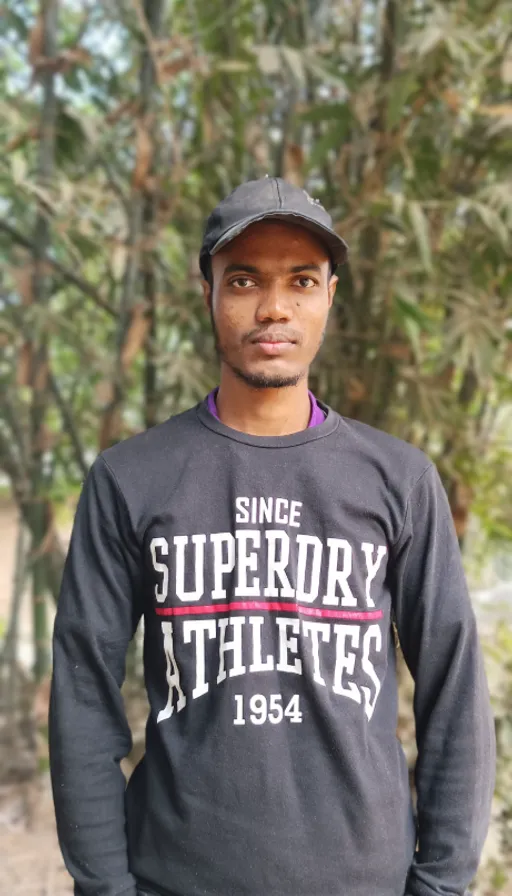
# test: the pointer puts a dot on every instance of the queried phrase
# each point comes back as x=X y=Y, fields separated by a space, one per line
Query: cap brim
x=337 y=246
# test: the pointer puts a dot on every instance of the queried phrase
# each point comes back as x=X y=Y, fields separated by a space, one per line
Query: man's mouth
x=273 y=343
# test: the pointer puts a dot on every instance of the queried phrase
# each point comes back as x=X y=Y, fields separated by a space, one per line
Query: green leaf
x=392 y=222
x=413 y=330
x=399 y=90
x=420 y=227
x=326 y=112
x=233 y=66
x=327 y=74
x=407 y=308
x=295 y=64
x=492 y=221
x=333 y=139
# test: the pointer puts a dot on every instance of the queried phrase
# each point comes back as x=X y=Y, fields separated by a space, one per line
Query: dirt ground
x=30 y=860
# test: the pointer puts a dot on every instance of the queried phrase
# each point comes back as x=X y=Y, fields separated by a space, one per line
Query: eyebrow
x=251 y=269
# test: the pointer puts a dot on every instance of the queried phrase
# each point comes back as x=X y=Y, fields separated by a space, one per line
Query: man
x=270 y=544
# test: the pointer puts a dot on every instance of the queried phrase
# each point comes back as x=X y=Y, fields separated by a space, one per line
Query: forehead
x=271 y=244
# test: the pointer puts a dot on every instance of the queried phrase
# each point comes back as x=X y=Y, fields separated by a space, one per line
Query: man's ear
x=333 y=282
x=207 y=293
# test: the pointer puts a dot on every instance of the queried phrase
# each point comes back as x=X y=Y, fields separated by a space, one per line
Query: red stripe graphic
x=196 y=609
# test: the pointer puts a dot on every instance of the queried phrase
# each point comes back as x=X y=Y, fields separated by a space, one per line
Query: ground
x=31 y=862
x=30 y=859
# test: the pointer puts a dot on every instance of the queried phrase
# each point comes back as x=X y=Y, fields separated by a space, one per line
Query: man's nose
x=274 y=304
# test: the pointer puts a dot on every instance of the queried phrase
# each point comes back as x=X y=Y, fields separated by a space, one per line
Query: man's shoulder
x=395 y=457
x=151 y=447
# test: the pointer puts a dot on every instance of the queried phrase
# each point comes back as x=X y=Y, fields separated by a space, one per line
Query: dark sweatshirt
x=269 y=571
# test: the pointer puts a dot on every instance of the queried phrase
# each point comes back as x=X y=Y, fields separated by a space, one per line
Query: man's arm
x=98 y=611
x=436 y=624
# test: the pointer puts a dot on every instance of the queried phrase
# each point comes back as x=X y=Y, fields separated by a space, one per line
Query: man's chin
x=267 y=379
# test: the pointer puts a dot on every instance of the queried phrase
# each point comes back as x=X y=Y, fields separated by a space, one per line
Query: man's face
x=272 y=291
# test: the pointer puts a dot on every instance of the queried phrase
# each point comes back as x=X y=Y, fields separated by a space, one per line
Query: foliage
x=397 y=118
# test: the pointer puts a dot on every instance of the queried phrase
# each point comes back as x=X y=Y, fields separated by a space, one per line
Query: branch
x=10 y=464
x=150 y=18
x=370 y=243
x=69 y=425
x=87 y=288
x=15 y=422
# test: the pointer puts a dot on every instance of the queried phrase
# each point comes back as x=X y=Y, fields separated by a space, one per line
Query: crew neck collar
x=325 y=428
x=316 y=416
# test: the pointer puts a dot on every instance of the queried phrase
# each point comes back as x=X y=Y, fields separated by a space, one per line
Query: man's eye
x=242 y=282
x=306 y=282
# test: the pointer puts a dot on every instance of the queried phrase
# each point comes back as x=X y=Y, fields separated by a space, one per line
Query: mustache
x=274 y=335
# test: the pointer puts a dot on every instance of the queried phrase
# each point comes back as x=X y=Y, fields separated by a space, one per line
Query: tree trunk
x=140 y=220
x=150 y=293
x=39 y=374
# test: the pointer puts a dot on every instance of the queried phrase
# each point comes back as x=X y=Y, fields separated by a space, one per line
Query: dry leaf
x=256 y=142
x=104 y=392
x=445 y=377
x=24 y=365
x=118 y=260
x=460 y=502
x=502 y=110
x=293 y=162
x=41 y=376
x=42 y=701
x=36 y=41
x=167 y=70
x=452 y=99
x=23 y=278
x=152 y=183
x=356 y=389
x=20 y=139
x=164 y=46
x=397 y=350
x=506 y=68
x=45 y=439
x=49 y=540
x=76 y=56
x=135 y=336
x=110 y=427
x=127 y=106
x=208 y=123
x=269 y=59
x=144 y=155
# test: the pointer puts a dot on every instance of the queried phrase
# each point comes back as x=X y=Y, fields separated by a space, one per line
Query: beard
x=255 y=380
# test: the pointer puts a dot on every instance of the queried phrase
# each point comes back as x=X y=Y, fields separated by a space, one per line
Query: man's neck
x=263 y=412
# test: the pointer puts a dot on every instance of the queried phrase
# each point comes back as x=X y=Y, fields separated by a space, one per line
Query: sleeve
x=98 y=611
x=455 y=770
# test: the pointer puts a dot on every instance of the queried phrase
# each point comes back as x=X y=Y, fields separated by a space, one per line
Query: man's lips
x=273 y=346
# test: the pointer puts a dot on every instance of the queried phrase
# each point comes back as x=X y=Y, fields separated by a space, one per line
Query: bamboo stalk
x=39 y=379
x=154 y=13
x=9 y=655
x=140 y=220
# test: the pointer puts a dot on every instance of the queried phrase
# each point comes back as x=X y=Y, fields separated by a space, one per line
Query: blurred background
x=122 y=124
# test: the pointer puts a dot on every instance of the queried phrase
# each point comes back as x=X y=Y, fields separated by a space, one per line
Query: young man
x=269 y=544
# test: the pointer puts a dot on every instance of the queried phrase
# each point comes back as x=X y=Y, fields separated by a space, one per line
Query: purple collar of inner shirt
x=317 y=415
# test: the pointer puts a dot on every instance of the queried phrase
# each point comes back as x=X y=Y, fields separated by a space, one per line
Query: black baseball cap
x=268 y=197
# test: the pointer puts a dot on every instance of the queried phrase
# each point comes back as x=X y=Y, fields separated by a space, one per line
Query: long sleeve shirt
x=269 y=572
